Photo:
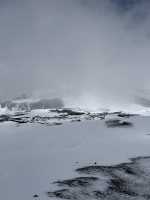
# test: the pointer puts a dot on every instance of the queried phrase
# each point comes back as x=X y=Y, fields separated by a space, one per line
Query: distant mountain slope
x=28 y=104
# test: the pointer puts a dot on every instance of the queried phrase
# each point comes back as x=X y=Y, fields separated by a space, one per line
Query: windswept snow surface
x=34 y=155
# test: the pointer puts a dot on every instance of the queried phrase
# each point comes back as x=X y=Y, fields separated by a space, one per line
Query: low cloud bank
x=90 y=52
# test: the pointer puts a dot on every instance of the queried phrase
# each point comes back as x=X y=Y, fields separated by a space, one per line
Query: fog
x=93 y=52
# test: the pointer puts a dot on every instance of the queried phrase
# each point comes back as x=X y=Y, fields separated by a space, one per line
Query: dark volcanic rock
x=35 y=195
x=126 y=115
x=4 y=118
x=127 y=181
x=68 y=111
x=117 y=123
x=81 y=181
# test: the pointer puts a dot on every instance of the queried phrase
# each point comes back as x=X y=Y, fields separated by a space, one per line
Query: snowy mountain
x=66 y=153
x=30 y=103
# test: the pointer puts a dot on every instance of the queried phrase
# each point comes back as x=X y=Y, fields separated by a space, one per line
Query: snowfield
x=75 y=154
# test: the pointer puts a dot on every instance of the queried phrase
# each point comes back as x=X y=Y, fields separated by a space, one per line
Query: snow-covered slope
x=59 y=153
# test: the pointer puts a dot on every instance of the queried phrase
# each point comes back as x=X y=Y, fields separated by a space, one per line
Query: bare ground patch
x=126 y=181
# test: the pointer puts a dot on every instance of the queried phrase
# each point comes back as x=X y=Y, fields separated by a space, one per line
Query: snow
x=34 y=155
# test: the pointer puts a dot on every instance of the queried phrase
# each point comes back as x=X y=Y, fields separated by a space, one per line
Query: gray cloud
x=79 y=49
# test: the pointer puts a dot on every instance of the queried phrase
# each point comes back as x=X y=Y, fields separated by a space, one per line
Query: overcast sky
x=83 y=49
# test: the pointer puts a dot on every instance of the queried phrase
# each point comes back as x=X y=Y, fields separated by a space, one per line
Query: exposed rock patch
x=127 y=181
x=118 y=123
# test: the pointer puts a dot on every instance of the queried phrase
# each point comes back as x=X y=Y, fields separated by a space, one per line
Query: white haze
x=92 y=52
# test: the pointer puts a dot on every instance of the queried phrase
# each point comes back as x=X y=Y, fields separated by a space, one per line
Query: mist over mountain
x=28 y=103
x=74 y=99
x=85 y=52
